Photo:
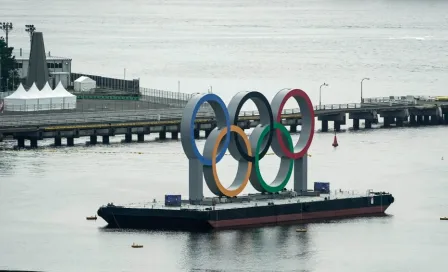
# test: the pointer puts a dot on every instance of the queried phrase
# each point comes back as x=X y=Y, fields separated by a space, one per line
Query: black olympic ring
x=236 y=148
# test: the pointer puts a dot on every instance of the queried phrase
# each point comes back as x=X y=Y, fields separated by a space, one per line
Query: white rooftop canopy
x=40 y=100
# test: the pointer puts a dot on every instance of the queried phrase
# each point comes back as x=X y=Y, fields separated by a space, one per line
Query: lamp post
x=366 y=78
x=30 y=29
x=7 y=27
x=320 y=93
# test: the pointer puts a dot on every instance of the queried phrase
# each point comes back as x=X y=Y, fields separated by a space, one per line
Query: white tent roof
x=84 y=79
x=33 y=92
x=19 y=93
x=60 y=91
x=46 y=91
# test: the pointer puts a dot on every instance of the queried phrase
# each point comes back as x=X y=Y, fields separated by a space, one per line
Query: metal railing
x=173 y=99
x=83 y=105
x=391 y=100
x=337 y=106
x=84 y=120
x=131 y=86
x=40 y=107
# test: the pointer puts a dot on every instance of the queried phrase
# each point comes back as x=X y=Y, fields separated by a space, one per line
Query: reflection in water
x=25 y=159
x=35 y=166
x=7 y=162
x=257 y=249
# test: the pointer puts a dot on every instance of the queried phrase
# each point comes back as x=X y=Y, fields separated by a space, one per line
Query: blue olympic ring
x=218 y=107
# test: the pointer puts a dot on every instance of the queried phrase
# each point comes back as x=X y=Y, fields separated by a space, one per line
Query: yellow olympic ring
x=231 y=192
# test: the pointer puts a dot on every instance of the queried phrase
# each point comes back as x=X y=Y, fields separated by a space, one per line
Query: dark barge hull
x=190 y=219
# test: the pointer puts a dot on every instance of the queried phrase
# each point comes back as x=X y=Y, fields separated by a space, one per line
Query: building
x=59 y=68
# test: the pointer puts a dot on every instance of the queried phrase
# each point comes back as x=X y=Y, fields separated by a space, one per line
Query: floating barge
x=243 y=211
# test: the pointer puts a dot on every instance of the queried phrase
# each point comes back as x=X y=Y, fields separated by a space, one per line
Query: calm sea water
x=45 y=194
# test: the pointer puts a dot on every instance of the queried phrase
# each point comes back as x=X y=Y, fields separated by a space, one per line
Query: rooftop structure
x=59 y=68
x=23 y=55
x=37 y=68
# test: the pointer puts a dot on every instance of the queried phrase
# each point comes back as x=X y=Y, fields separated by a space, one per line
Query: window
x=19 y=65
x=52 y=65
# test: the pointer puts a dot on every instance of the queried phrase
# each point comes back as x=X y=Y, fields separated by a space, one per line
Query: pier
x=395 y=111
x=165 y=123
x=122 y=107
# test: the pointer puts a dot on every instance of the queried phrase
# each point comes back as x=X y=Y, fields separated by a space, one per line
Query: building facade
x=59 y=68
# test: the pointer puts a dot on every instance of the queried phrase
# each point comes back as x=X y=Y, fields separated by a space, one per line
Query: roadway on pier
x=147 y=117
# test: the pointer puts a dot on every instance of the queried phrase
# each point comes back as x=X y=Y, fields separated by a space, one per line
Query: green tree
x=8 y=73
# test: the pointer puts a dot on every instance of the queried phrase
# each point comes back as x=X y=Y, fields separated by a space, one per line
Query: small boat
x=444 y=218
x=301 y=230
x=91 y=217
x=134 y=245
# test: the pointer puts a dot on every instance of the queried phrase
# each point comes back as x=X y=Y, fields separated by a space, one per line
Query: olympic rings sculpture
x=248 y=151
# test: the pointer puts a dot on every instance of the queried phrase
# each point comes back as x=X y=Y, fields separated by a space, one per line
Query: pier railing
x=171 y=99
x=83 y=106
x=337 y=106
x=391 y=100
x=131 y=86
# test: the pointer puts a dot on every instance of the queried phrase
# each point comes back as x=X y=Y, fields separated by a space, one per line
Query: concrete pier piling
x=33 y=143
x=356 y=124
x=337 y=126
x=21 y=142
x=140 y=137
x=368 y=124
x=93 y=140
x=196 y=133
x=70 y=141
x=57 y=141
x=324 y=126
x=412 y=120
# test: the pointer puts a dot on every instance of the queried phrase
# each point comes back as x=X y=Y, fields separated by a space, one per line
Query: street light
x=30 y=29
x=366 y=78
x=320 y=93
x=6 y=27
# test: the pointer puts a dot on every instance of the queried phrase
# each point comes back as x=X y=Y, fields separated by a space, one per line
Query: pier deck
x=142 y=122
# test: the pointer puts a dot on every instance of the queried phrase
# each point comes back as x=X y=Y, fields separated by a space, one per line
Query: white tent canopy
x=32 y=99
x=46 y=91
x=33 y=92
x=45 y=97
x=17 y=100
x=43 y=100
x=84 y=84
x=19 y=93
x=60 y=93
